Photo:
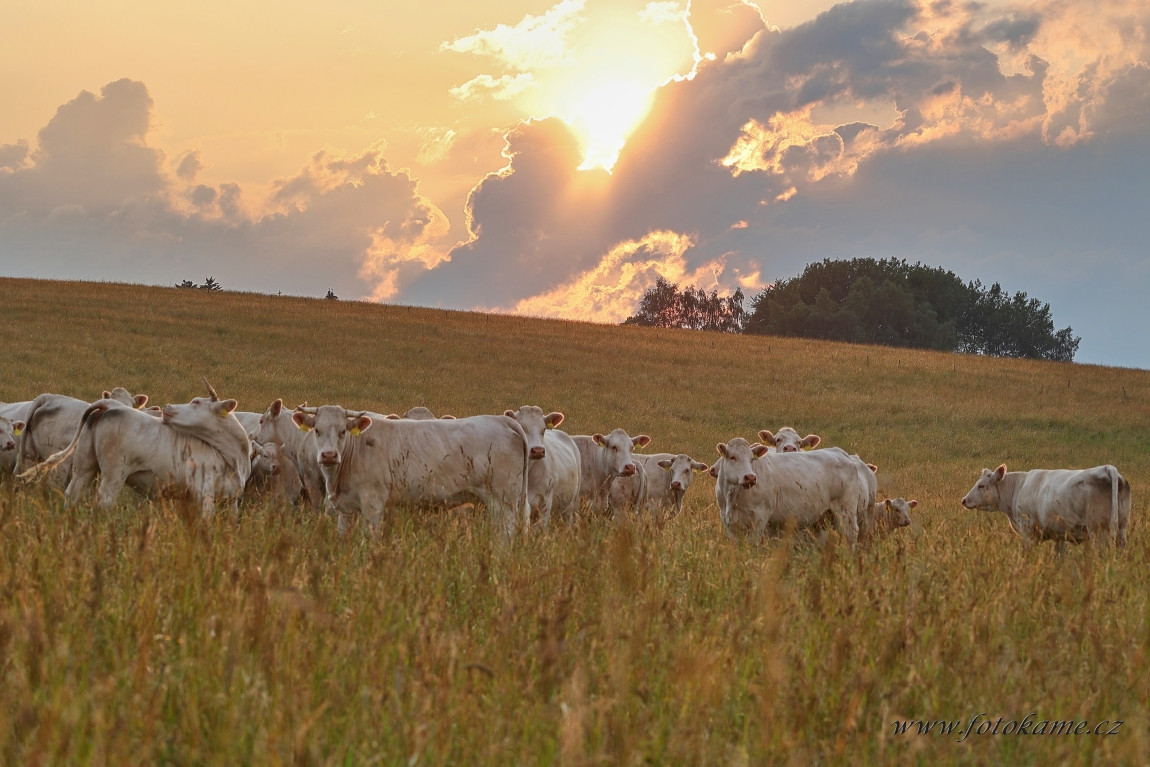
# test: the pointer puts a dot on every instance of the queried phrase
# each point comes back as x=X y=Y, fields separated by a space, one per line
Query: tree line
x=864 y=300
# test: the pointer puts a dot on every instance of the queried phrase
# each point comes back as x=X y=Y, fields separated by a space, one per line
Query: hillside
x=606 y=643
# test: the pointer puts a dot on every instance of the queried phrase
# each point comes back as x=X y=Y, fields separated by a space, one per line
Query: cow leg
x=207 y=507
x=373 y=515
x=1059 y=548
x=848 y=524
x=111 y=483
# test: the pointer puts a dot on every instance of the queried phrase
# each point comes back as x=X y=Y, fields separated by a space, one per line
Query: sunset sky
x=553 y=159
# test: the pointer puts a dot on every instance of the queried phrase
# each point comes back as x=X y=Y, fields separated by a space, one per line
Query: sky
x=556 y=158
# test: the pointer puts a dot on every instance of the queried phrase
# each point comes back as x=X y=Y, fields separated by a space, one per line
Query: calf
x=881 y=518
x=274 y=475
x=1056 y=504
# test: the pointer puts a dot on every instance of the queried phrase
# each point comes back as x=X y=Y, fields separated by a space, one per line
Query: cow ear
x=1000 y=472
x=305 y=421
x=106 y=394
x=759 y=450
x=912 y=504
x=767 y=437
x=17 y=427
x=360 y=424
x=887 y=503
x=509 y=413
x=811 y=441
x=598 y=440
x=696 y=466
x=873 y=468
x=394 y=417
x=553 y=419
x=276 y=407
x=665 y=464
x=641 y=441
x=226 y=407
x=140 y=400
x=722 y=448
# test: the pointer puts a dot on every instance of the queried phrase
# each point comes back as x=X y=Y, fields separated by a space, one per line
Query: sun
x=605 y=116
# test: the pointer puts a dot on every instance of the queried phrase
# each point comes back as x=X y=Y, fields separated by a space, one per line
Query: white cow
x=198 y=447
x=274 y=475
x=52 y=421
x=1056 y=504
x=884 y=517
x=760 y=492
x=276 y=427
x=553 y=477
x=602 y=459
x=420 y=463
x=9 y=434
x=249 y=420
x=14 y=412
x=667 y=479
x=787 y=440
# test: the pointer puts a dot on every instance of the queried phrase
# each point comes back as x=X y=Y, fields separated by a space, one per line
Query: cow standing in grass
x=198 y=447
x=1058 y=505
x=553 y=479
x=602 y=458
x=52 y=421
x=276 y=426
x=760 y=492
x=419 y=463
x=667 y=479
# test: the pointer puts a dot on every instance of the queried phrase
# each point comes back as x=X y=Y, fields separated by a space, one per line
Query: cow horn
x=211 y=391
x=356 y=413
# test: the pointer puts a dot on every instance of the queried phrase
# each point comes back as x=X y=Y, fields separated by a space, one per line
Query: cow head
x=682 y=468
x=122 y=395
x=267 y=459
x=419 y=413
x=196 y=416
x=617 y=447
x=896 y=511
x=787 y=440
x=985 y=493
x=9 y=431
x=534 y=424
x=735 y=462
x=333 y=427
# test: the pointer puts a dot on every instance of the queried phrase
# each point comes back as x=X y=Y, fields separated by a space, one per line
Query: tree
x=666 y=306
x=331 y=295
x=894 y=303
x=208 y=284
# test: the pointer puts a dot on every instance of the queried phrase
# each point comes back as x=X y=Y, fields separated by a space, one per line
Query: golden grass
x=141 y=636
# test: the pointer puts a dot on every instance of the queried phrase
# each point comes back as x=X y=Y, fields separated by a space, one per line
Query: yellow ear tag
x=225 y=413
x=355 y=431
x=304 y=427
x=16 y=432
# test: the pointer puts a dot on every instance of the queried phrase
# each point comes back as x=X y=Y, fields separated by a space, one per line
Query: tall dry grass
x=142 y=636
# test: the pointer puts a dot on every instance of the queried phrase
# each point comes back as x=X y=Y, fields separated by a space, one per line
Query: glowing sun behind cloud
x=605 y=116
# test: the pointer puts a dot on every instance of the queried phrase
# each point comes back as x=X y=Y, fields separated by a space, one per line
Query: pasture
x=144 y=636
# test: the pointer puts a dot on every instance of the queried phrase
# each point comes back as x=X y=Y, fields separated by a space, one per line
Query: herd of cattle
x=518 y=464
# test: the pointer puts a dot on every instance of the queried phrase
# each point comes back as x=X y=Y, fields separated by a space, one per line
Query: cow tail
x=25 y=440
x=51 y=462
x=1115 y=482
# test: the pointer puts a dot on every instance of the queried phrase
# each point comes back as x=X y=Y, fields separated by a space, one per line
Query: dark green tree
x=894 y=303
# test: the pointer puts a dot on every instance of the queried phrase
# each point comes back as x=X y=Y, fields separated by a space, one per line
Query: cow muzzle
x=628 y=470
x=9 y=445
x=329 y=458
x=749 y=480
x=676 y=485
x=790 y=449
x=537 y=452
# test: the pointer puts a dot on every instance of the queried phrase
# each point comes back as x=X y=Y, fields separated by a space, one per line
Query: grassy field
x=142 y=636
